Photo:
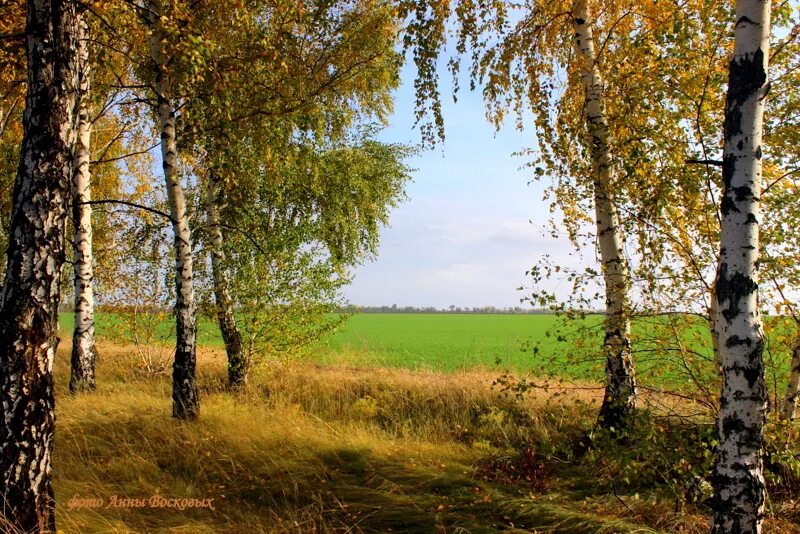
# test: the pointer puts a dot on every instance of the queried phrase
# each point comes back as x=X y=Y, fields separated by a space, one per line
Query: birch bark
x=32 y=286
x=620 y=393
x=738 y=472
x=789 y=411
x=238 y=361
x=84 y=352
x=185 y=402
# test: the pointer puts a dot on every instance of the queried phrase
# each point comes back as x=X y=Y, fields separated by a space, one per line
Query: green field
x=493 y=342
x=112 y=327
x=443 y=342
x=447 y=342
x=539 y=344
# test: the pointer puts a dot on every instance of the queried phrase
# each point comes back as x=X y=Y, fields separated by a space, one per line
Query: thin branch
x=13 y=86
x=100 y=17
x=130 y=205
x=792 y=311
x=247 y=235
x=5 y=120
x=777 y=49
x=113 y=140
x=610 y=33
x=697 y=400
x=125 y=156
x=689 y=253
x=108 y=103
x=144 y=12
x=714 y=162
x=778 y=179
x=699 y=128
x=614 y=487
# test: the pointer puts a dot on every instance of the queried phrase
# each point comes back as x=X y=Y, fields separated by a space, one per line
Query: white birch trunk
x=32 y=285
x=84 y=354
x=789 y=411
x=238 y=360
x=620 y=393
x=738 y=473
x=185 y=403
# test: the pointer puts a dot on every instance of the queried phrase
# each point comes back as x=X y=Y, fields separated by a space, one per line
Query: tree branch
x=777 y=180
x=125 y=156
x=130 y=205
x=714 y=162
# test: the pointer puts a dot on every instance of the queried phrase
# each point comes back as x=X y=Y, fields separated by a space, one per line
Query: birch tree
x=620 y=392
x=84 y=351
x=291 y=223
x=314 y=212
x=738 y=477
x=185 y=402
x=31 y=290
x=105 y=136
x=335 y=67
x=672 y=182
x=518 y=65
x=155 y=47
x=239 y=362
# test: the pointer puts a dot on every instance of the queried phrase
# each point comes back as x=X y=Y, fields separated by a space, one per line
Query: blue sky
x=472 y=225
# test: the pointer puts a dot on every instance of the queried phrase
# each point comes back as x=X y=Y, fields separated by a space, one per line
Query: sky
x=472 y=225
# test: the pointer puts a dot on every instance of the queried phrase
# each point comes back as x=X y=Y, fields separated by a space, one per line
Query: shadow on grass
x=277 y=471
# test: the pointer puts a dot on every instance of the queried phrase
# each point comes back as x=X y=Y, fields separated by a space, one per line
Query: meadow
x=439 y=342
x=532 y=344
x=310 y=448
x=442 y=342
x=393 y=424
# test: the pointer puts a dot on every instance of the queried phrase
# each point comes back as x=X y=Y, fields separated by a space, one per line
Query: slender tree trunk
x=620 y=393
x=738 y=473
x=238 y=361
x=84 y=353
x=789 y=411
x=185 y=402
x=31 y=290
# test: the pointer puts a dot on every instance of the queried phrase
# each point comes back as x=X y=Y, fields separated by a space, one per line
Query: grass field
x=444 y=342
x=452 y=342
x=311 y=448
x=392 y=424
x=439 y=342
x=541 y=345
x=489 y=342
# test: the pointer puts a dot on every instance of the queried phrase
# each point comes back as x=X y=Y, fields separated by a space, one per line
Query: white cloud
x=427 y=259
x=464 y=235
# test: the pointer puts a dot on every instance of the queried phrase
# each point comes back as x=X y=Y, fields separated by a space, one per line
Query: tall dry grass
x=311 y=448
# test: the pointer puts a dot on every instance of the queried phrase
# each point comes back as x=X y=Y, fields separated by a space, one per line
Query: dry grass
x=313 y=448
